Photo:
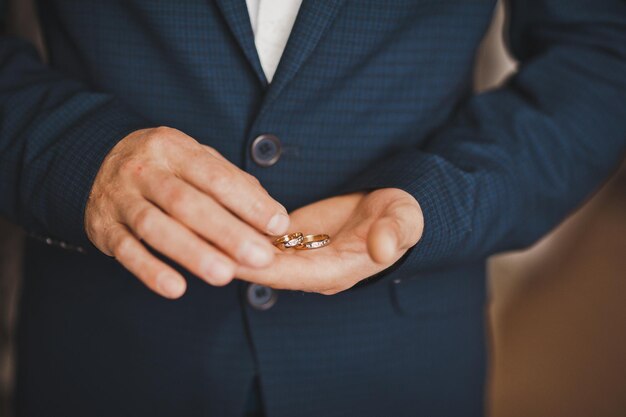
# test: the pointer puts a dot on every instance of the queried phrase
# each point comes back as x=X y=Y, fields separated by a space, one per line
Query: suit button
x=266 y=150
x=261 y=297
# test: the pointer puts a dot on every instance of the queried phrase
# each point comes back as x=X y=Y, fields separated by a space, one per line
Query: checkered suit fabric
x=368 y=94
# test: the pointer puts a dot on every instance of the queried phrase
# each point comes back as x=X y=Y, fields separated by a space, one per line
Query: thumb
x=398 y=229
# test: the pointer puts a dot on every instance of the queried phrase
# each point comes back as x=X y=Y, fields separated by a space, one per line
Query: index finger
x=232 y=187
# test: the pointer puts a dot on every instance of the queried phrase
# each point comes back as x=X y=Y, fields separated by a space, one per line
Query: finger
x=178 y=243
x=207 y=218
x=382 y=240
x=325 y=271
x=234 y=190
x=254 y=180
x=155 y=274
x=290 y=271
x=394 y=233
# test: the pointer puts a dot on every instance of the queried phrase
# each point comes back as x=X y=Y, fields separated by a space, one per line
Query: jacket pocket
x=441 y=293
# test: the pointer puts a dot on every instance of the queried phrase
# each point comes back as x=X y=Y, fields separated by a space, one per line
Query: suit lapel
x=314 y=17
x=236 y=14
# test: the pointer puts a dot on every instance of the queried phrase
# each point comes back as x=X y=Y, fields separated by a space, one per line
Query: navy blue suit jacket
x=368 y=94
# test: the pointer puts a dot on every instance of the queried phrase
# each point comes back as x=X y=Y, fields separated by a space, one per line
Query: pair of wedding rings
x=300 y=241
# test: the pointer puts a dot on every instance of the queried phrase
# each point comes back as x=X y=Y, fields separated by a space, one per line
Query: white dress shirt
x=272 y=21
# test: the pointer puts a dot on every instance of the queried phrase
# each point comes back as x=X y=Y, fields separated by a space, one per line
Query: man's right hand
x=184 y=200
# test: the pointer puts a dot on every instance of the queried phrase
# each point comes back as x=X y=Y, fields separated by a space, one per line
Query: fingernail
x=170 y=285
x=278 y=224
x=254 y=254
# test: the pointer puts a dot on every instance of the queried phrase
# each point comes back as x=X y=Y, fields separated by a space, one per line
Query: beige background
x=558 y=311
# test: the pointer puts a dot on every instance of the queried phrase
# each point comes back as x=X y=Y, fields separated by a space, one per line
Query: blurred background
x=557 y=317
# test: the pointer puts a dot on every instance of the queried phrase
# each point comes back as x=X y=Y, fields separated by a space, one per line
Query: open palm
x=369 y=232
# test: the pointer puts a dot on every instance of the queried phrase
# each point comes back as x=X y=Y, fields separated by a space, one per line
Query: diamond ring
x=314 y=241
x=289 y=240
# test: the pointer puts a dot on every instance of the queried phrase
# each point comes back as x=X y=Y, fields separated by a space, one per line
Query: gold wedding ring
x=313 y=242
x=289 y=240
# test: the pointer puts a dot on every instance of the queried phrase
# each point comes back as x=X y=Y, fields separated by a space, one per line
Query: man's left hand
x=369 y=232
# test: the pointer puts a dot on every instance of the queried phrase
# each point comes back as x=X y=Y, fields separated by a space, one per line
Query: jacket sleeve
x=54 y=134
x=514 y=161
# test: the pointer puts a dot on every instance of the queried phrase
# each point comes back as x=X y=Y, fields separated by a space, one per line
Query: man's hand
x=369 y=232
x=187 y=202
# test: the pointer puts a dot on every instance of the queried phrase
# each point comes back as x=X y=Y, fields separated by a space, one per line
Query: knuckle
x=254 y=213
x=99 y=233
x=212 y=151
x=220 y=180
x=163 y=134
x=144 y=221
x=179 y=200
x=170 y=188
x=157 y=138
x=181 y=206
x=258 y=209
x=122 y=246
x=252 y=178
x=162 y=131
